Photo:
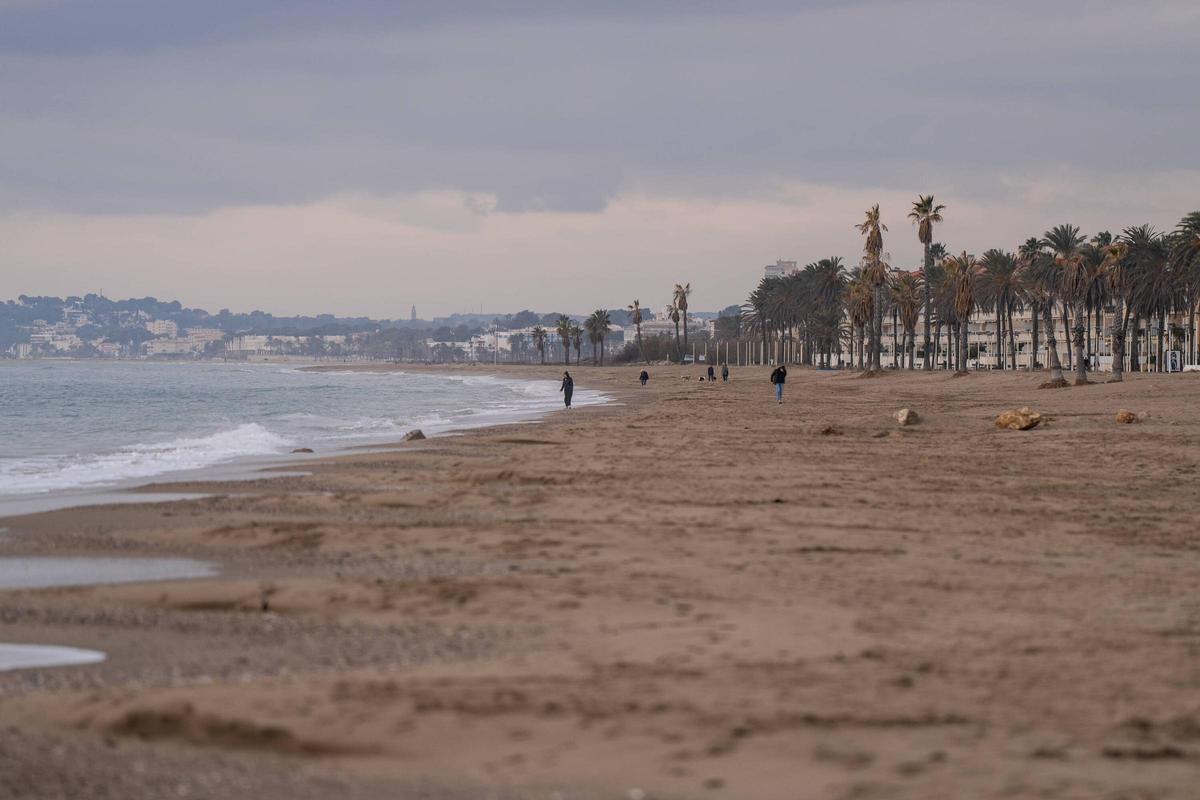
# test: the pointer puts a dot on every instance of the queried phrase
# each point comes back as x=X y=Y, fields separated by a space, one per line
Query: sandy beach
x=692 y=592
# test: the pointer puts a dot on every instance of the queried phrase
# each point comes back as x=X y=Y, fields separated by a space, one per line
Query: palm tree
x=860 y=306
x=597 y=331
x=516 y=346
x=673 y=315
x=1185 y=262
x=754 y=312
x=539 y=341
x=1000 y=287
x=577 y=340
x=1115 y=270
x=962 y=272
x=925 y=212
x=1154 y=286
x=635 y=312
x=876 y=272
x=907 y=291
x=942 y=304
x=1043 y=283
x=679 y=298
x=1027 y=256
x=1066 y=246
x=826 y=282
x=594 y=337
x=563 y=328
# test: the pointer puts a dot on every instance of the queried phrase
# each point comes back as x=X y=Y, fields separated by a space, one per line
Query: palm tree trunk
x=963 y=343
x=999 y=338
x=1162 y=324
x=1036 y=314
x=1080 y=337
x=895 y=350
x=1120 y=317
x=936 y=345
x=684 y=309
x=1191 y=333
x=1067 y=331
x=1012 y=339
x=1135 y=358
x=1056 y=373
x=928 y=268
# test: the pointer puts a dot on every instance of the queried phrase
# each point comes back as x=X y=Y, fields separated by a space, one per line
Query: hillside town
x=94 y=326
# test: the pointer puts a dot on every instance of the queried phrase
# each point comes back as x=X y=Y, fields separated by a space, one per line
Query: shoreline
x=690 y=591
x=252 y=468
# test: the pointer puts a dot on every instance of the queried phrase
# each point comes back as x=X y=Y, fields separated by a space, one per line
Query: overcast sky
x=361 y=156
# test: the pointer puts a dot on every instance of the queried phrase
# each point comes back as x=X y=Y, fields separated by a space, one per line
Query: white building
x=163 y=327
x=203 y=336
x=169 y=347
x=780 y=269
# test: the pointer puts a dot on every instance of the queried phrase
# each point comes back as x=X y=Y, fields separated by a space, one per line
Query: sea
x=75 y=432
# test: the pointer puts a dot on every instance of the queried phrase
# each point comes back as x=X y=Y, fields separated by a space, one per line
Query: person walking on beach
x=724 y=373
x=712 y=374
x=645 y=376
x=567 y=388
x=778 y=377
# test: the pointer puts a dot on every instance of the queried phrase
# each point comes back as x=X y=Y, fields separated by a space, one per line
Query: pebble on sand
x=906 y=416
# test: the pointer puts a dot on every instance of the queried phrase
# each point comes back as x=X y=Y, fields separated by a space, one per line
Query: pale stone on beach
x=906 y=416
x=1021 y=420
x=414 y=436
x=1125 y=417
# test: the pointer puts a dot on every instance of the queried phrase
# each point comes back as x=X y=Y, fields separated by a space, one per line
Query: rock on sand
x=1125 y=416
x=1021 y=420
x=906 y=416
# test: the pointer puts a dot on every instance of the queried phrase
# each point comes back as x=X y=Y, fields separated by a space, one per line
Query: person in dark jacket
x=567 y=388
x=712 y=374
x=645 y=376
x=724 y=373
x=778 y=377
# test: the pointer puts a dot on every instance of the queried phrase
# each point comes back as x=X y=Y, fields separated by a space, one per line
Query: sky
x=363 y=156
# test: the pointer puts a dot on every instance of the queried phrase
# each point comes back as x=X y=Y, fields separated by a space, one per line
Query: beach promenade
x=694 y=592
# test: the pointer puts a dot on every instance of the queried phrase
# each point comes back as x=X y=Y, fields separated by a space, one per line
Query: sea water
x=69 y=428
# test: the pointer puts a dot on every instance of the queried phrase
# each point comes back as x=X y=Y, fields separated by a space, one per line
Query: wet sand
x=695 y=593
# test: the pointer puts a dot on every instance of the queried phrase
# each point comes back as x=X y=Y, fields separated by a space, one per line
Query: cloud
x=564 y=111
x=454 y=134
x=446 y=251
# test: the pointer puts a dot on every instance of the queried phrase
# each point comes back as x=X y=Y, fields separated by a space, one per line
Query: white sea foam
x=28 y=656
x=88 y=425
x=40 y=572
x=49 y=473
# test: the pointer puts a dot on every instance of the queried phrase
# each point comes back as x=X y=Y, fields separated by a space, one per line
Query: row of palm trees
x=596 y=327
x=1139 y=276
